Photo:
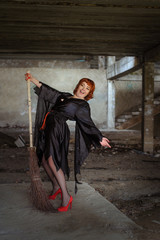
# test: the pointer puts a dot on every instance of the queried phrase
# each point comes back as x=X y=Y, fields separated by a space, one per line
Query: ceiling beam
x=43 y=57
x=88 y=3
x=153 y=55
x=79 y=27
x=123 y=67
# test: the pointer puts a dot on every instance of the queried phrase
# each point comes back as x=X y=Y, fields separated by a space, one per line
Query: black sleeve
x=83 y=119
x=86 y=134
x=47 y=93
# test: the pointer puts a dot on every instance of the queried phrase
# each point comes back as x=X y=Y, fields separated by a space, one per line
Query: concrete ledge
x=92 y=217
x=117 y=136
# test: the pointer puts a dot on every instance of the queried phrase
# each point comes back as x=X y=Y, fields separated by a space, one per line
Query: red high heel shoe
x=65 y=209
x=52 y=197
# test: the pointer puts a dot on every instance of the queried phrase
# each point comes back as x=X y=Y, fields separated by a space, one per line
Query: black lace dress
x=53 y=140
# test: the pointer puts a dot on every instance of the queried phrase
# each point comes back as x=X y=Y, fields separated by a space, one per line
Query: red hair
x=90 y=83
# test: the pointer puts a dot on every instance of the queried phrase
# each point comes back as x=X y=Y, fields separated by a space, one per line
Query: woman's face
x=82 y=90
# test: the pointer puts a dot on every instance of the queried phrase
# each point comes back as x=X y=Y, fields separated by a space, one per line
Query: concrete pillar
x=101 y=62
x=147 y=107
x=111 y=60
x=111 y=105
x=111 y=97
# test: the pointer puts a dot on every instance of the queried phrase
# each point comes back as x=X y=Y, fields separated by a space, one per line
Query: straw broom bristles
x=38 y=194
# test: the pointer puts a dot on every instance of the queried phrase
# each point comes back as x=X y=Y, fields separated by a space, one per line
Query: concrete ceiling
x=79 y=27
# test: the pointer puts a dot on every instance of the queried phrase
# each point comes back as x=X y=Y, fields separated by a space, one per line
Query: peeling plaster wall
x=128 y=93
x=13 y=91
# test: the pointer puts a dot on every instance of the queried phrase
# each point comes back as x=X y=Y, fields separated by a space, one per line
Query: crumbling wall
x=128 y=92
x=128 y=96
x=63 y=77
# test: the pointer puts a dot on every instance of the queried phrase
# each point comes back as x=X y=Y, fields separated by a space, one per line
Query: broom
x=38 y=194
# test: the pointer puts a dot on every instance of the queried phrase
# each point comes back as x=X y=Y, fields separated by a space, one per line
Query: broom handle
x=29 y=111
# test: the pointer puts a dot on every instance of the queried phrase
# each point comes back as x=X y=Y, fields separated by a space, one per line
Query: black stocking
x=61 y=181
x=51 y=176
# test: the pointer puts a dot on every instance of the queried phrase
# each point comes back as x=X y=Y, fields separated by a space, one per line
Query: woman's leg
x=50 y=174
x=61 y=181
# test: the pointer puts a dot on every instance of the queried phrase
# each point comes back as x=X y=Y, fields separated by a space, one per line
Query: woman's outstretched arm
x=83 y=118
x=28 y=76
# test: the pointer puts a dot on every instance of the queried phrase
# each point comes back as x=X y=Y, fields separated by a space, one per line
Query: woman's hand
x=28 y=76
x=105 y=142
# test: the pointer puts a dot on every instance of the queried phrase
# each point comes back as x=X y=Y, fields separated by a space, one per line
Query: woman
x=54 y=108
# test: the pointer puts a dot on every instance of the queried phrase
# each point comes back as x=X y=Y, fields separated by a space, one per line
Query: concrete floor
x=91 y=217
